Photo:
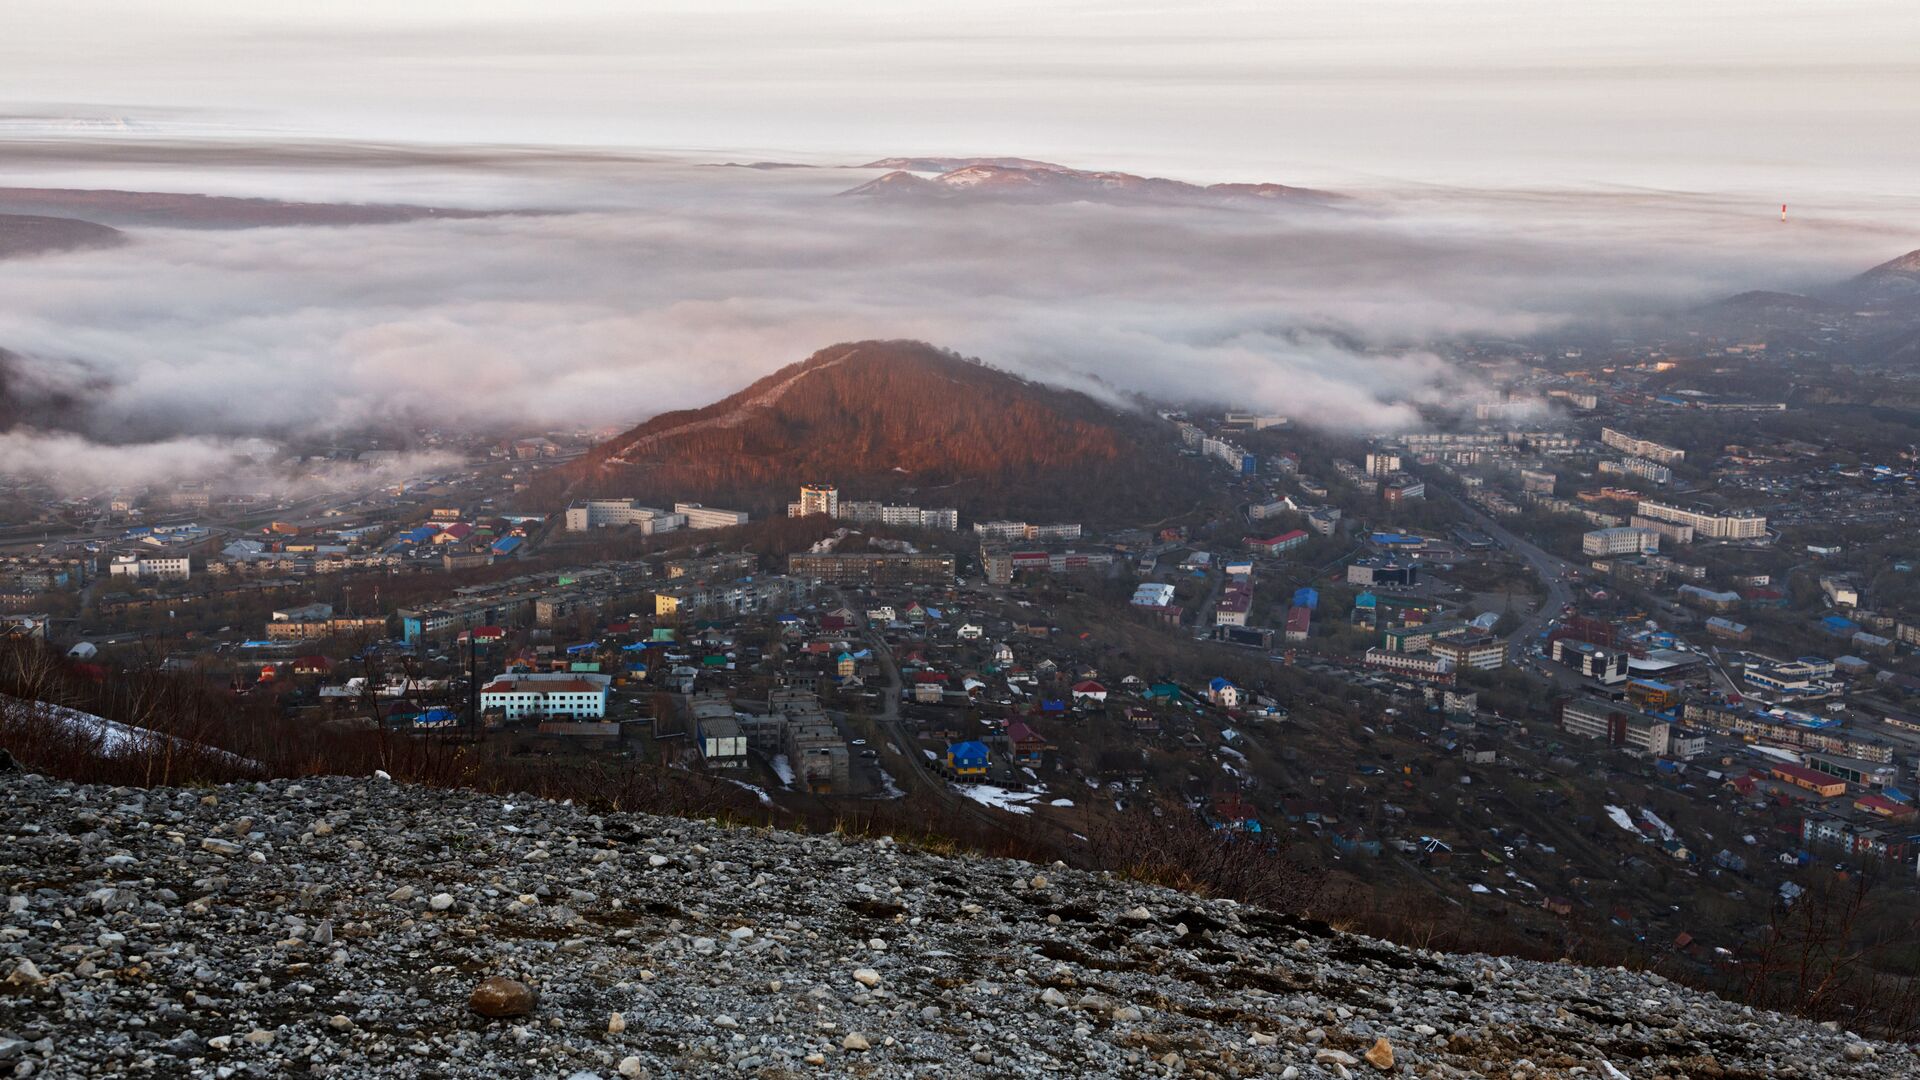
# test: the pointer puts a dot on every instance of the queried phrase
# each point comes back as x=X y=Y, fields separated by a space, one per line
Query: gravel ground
x=340 y=928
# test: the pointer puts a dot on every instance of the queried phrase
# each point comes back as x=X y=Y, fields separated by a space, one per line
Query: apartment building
x=151 y=568
x=730 y=599
x=543 y=696
x=1480 y=653
x=1730 y=525
x=621 y=513
x=816 y=499
x=709 y=517
x=1616 y=725
x=1641 y=448
x=872 y=568
x=1620 y=541
x=1022 y=530
x=1423 y=664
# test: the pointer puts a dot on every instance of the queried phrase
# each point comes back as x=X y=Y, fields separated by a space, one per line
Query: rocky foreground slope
x=341 y=928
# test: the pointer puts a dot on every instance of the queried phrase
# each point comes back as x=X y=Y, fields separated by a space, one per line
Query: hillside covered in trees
x=899 y=420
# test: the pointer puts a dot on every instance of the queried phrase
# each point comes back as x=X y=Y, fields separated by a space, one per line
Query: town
x=1592 y=651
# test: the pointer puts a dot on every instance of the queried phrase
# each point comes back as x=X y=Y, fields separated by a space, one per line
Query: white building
x=708 y=517
x=160 y=568
x=1620 y=541
x=1732 y=525
x=1382 y=463
x=618 y=513
x=1153 y=594
x=1641 y=448
x=568 y=695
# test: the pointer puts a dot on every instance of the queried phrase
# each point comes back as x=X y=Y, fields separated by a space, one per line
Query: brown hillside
x=33 y=234
x=884 y=418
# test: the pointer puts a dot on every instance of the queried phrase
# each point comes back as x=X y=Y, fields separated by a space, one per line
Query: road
x=1551 y=569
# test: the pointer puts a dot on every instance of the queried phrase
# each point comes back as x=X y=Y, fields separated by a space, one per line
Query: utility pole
x=473 y=683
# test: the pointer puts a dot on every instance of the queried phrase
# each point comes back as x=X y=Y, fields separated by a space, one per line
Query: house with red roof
x=1027 y=744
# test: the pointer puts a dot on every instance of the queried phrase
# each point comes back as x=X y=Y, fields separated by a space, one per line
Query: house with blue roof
x=968 y=760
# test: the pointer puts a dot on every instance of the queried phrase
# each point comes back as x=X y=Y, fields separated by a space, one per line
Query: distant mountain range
x=1024 y=180
x=187 y=210
x=887 y=418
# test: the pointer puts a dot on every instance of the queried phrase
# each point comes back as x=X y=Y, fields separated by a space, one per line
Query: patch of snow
x=1776 y=753
x=1621 y=819
x=931 y=756
x=1013 y=802
x=783 y=769
x=1061 y=802
x=1666 y=831
x=888 y=788
x=115 y=738
x=1477 y=887
x=758 y=792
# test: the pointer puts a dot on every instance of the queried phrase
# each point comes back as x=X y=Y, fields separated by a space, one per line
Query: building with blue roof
x=968 y=760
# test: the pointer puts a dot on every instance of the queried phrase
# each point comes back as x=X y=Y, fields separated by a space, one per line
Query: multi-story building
x=1616 y=725
x=155 y=568
x=1641 y=448
x=909 y=517
x=1424 y=664
x=1671 y=532
x=1274 y=545
x=621 y=513
x=1605 y=666
x=709 y=517
x=1382 y=463
x=1229 y=454
x=1000 y=564
x=1403 y=488
x=816 y=499
x=1786 y=727
x=1021 y=530
x=1236 y=603
x=1480 y=653
x=717 y=731
x=730 y=599
x=872 y=568
x=573 y=695
x=1538 y=481
x=1806 y=676
x=1730 y=525
x=1620 y=541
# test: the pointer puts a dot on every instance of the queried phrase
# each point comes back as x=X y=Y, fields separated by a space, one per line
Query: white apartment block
x=1620 y=541
x=1733 y=525
x=1641 y=448
x=548 y=695
x=165 y=568
x=709 y=517
x=1640 y=467
x=618 y=513
x=908 y=517
x=1021 y=530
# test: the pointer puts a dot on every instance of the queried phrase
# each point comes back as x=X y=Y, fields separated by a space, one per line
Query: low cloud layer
x=666 y=285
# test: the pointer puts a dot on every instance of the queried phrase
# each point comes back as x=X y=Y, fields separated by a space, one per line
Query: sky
x=1781 y=99
x=1515 y=168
